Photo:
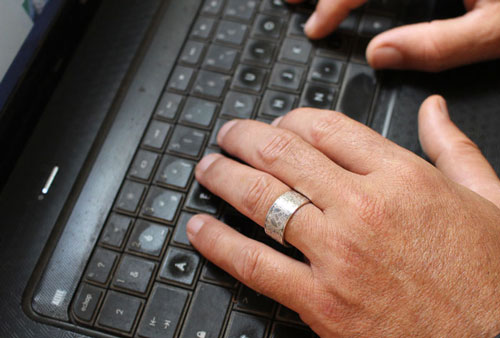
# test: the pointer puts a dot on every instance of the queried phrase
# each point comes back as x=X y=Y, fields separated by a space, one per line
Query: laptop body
x=58 y=198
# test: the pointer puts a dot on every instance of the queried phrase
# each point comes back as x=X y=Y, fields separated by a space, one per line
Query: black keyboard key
x=285 y=331
x=100 y=266
x=287 y=77
x=232 y=33
x=297 y=25
x=276 y=7
x=156 y=135
x=338 y=46
x=287 y=315
x=238 y=105
x=198 y=112
x=214 y=274
x=134 y=274
x=115 y=230
x=130 y=196
x=86 y=302
x=148 y=238
x=372 y=25
x=201 y=200
x=276 y=104
x=187 y=141
x=181 y=79
x=161 y=204
x=249 y=78
x=213 y=137
x=119 y=312
x=350 y=24
x=180 y=236
x=240 y=10
x=267 y=27
x=174 y=171
x=239 y=222
x=385 y=6
x=203 y=28
x=169 y=106
x=210 y=84
x=297 y=51
x=143 y=165
x=220 y=58
x=210 y=151
x=243 y=325
x=207 y=312
x=326 y=70
x=259 y=52
x=359 y=50
x=192 y=53
x=212 y=7
x=358 y=92
x=163 y=312
x=249 y=300
x=318 y=96
x=180 y=266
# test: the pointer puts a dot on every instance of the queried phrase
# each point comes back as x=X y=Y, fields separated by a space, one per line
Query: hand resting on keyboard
x=434 y=46
x=395 y=246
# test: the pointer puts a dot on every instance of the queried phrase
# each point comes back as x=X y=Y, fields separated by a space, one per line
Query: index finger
x=328 y=16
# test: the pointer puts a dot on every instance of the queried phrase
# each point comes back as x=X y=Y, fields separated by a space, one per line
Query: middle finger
x=252 y=192
x=290 y=159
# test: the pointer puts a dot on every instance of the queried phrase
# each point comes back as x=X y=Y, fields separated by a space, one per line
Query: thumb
x=441 y=44
x=453 y=152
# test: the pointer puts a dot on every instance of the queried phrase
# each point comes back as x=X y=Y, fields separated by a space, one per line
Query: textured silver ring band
x=281 y=212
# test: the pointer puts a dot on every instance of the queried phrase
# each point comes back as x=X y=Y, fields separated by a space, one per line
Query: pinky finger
x=258 y=266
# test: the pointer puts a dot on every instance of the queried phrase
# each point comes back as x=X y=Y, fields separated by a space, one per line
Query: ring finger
x=253 y=192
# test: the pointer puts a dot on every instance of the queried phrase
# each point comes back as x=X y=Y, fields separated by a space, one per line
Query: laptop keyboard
x=246 y=59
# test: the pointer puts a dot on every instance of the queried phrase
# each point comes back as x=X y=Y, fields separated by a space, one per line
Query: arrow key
x=163 y=312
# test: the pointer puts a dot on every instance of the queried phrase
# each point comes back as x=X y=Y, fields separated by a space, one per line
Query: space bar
x=357 y=93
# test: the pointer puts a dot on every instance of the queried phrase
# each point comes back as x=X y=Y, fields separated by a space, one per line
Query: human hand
x=395 y=246
x=433 y=46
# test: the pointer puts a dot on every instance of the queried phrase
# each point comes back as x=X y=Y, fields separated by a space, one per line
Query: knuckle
x=326 y=126
x=279 y=145
x=248 y=263
x=371 y=208
x=256 y=195
x=464 y=146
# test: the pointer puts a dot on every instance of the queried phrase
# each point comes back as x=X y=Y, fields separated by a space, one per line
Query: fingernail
x=311 y=24
x=443 y=107
x=194 y=225
x=277 y=121
x=387 y=57
x=206 y=162
x=225 y=128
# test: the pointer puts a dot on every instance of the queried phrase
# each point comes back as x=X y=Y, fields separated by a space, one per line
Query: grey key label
x=278 y=103
x=201 y=334
x=269 y=26
x=181 y=266
x=86 y=302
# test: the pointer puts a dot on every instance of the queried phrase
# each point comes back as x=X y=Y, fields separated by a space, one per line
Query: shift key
x=163 y=312
x=207 y=312
x=357 y=94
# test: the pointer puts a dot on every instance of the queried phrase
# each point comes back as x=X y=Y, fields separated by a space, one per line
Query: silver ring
x=281 y=212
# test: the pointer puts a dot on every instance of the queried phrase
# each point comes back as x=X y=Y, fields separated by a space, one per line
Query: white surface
x=15 y=26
